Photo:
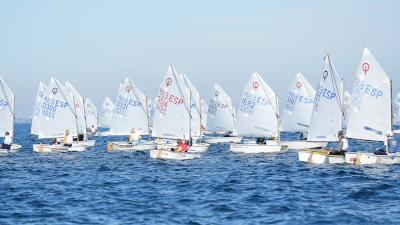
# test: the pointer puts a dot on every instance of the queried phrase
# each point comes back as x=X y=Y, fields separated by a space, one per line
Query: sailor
x=343 y=145
x=261 y=141
x=7 y=141
x=81 y=136
x=183 y=146
x=134 y=137
x=55 y=142
x=93 y=130
x=390 y=143
x=68 y=139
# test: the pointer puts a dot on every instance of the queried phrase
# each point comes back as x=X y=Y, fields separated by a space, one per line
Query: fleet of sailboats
x=180 y=113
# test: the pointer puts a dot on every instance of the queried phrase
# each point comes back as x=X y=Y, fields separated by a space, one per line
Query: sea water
x=101 y=187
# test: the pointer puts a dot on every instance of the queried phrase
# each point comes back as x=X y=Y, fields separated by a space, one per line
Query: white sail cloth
x=221 y=114
x=298 y=105
x=7 y=113
x=370 y=112
x=258 y=114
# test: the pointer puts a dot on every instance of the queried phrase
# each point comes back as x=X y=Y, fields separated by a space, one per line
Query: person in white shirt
x=7 y=141
x=68 y=139
x=343 y=145
x=134 y=137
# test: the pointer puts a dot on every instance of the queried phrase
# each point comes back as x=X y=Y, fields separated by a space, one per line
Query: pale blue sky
x=95 y=44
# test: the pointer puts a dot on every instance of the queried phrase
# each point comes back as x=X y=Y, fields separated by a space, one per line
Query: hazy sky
x=96 y=44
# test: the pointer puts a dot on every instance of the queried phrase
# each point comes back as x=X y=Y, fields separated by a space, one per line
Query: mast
x=278 y=119
x=84 y=114
x=200 y=120
x=190 y=116
x=76 y=117
x=391 y=106
x=148 y=119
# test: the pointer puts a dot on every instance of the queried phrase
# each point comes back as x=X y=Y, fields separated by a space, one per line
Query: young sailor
x=183 y=146
x=390 y=143
x=7 y=141
x=55 y=142
x=68 y=139
x=343 y=145
x=134 y=137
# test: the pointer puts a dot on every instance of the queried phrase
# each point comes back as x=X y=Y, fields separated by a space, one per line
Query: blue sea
x=101 y=187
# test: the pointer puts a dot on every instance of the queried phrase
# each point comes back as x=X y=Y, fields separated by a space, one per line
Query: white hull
x=319 y=157
x=126 y=146
x=14 y=148
x=44 y=148
x=256 y=148
x=87 y=143
x=216 y=140
x=358 y=158
x=202 y=147
x=167 y=154
x=302 y=144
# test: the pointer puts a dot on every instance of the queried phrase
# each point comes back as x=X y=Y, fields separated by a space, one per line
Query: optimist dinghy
x=106 y=113
x=327 y=116
x=7 y=115
x=258 y=116
x=131 y=112
x=79 y=110
x=55 y=115
x=173 y=117
x=221 y=118
x=371 y=110
x=297 y=111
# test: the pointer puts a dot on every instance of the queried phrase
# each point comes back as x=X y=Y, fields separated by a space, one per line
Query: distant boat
x=172 y=116
x=90 y=114
x=131 y=112
x=7 y=115
x=371 y=110
x=57 y=114
x=37 y=108
x=327 y=115
x=297 y=111
x=258 y=116
x=221 y=118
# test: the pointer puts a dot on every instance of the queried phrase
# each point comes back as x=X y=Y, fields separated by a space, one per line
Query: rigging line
x=192 y=89
x=334 y=83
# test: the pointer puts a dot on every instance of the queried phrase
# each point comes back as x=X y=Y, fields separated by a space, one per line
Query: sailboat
x=90 y=113
x=79 y=107
x=57 y=114
x=327 y=115
x=197 y=117
x=258 y=116
x=296 y=113
x=7 y=115
x=131 y=112
x=371 y=110
x=172 y=116
x=221 y=118
x=106 y=113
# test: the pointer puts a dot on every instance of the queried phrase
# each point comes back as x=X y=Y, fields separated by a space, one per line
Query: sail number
x=249 y=102
x=293 y=98
x=3 y=103
x=361 y=87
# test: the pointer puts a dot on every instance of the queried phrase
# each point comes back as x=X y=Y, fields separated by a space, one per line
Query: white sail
x=58 y=113
x=396 y=110
x=326 y=119
x=106 y=113
x=78 y=107
x=221 y=113
x=298 y=105
x=7 y=113
x=204 y=113
x=347 y=99
x=370 y=112
x=90 y=113
x=258 y=114
x=171 y=116
x=37 y=110
x=130 y=110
